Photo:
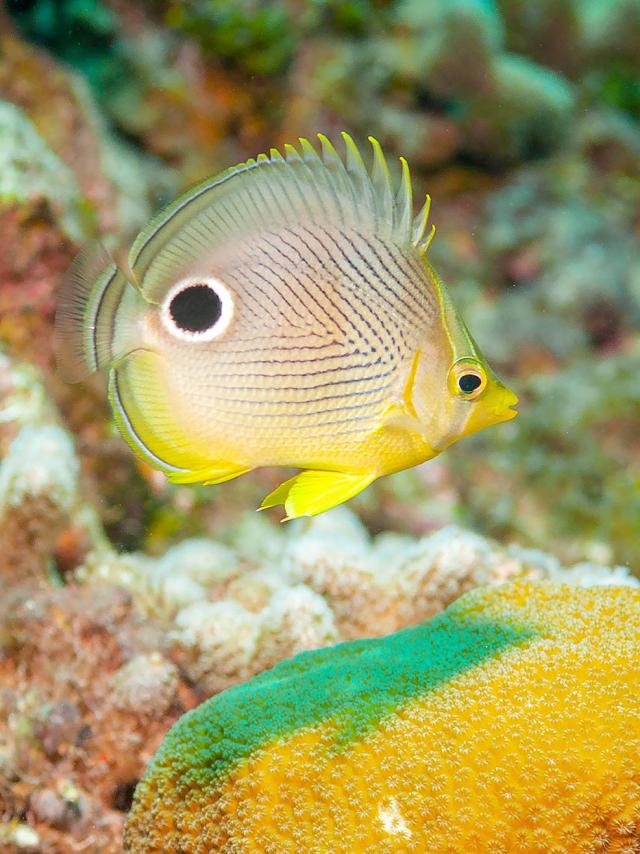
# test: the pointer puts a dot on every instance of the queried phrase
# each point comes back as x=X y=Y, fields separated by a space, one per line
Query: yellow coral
x=509 y=723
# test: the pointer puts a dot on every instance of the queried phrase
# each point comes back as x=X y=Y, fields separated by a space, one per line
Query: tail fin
x=96 y=307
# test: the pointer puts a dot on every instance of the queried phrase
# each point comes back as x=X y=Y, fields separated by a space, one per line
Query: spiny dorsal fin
x=301 y=186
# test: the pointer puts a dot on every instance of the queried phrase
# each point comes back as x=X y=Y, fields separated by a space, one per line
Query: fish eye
x=468 y=383
x=468 y=379
x=198 y=309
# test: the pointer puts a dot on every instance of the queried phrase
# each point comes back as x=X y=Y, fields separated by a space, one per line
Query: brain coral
x=507 y=723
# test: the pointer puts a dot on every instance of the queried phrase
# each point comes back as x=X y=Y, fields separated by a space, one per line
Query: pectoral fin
x=312 y=492
x=396 y=415
x=401 y=413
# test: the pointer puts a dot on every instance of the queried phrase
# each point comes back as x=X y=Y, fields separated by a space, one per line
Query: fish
x=282 y=313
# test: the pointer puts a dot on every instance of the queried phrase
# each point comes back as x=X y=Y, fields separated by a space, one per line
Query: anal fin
x=147 y=412
x=312 y=492
x=218 y=472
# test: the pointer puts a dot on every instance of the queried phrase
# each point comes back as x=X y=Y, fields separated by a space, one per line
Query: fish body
x=283 y=313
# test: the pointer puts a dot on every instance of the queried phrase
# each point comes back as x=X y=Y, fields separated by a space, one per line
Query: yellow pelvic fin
x=312 y=492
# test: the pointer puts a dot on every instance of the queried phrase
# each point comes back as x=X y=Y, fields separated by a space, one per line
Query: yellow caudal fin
x=312 y=492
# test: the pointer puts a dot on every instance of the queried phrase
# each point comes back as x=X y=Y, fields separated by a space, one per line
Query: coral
x=529 y=148
x=546 y=232
x=40 y=218
x=225 y=642
x=75 y=736
x=29 y=169
x=391 y=69
x=63 y=178
x=375 y=588
x=115 y=181
x=20 y=836
x=146 y=682
x=137 y=639
x=229 y=618
x=509 y=722
x=590 y=445
x=542 y=257
x=38 y=490
x=46 y=524
x=508 y=107
x=348 y=58
x=257 y=36
x=563 y=261
x=23 y=400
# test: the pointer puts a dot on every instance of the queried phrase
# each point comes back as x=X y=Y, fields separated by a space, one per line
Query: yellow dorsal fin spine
x=424 y=245
x=383 y=190
x=342 y=186
x=292 y=155
x=420 y=227
x=404 y=201
x=358 y=172
x=329 y=154
x=308 y=151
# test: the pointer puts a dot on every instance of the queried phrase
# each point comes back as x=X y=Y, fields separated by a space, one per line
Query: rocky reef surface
x=125 y=601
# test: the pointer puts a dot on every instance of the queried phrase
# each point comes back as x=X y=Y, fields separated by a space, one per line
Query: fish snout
x=495 y=406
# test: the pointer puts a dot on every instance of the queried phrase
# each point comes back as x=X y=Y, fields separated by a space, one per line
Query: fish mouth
x=507 y=406
x=510 y=412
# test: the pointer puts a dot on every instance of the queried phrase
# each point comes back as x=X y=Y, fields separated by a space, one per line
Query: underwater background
x=126 y=601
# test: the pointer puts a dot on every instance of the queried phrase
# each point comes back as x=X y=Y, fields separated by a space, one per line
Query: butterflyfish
x=282 y=313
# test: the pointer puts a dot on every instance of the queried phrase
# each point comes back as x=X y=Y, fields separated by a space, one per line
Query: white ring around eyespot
x=221 y=324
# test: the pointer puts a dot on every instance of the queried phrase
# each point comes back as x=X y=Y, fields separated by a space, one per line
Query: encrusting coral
x=507 y=723
x=64 y=177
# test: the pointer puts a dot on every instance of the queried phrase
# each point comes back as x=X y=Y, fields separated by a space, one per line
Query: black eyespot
x=468 y=383
x=196 y=308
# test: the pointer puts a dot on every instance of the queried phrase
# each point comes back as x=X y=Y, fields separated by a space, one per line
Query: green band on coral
x=374 y=677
